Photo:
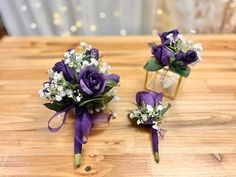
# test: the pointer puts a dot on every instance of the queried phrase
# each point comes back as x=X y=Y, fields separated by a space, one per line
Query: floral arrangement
x=174 y=53
x=80 y=82
x=150 y=114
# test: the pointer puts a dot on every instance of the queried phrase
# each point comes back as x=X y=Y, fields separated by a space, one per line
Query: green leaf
x=151 y=44
x=57 y=106
x=181 y=70
x=143 y=106
x=107 y=98
x=171 y=59
x=109 y=85
x=164 y=110
x=153 y=65
x=96 y=102
x=96 y=99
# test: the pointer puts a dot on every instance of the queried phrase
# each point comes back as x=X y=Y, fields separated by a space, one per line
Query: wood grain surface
x=201 y=125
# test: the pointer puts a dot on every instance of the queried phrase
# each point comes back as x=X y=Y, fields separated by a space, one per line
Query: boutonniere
x=150 y=113
x=81 y=83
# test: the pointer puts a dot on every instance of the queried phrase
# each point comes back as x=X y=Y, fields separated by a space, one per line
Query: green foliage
x=109 y=85
x=97 y=102
x=164 y=110
x=57 y=106
x=151 y=44
x=182 y=70
x=153 y=65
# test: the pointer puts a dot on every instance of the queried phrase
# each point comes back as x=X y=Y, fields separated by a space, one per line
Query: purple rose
x=165 y=40
x=187 y=58
x=162 y=54
x=68 y=72
x=149 y=98
x=91 y=81
x=94 y=53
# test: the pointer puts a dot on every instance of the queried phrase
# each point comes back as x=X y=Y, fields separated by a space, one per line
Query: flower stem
x=77 y=160
x=155 y=144
x=77 y=151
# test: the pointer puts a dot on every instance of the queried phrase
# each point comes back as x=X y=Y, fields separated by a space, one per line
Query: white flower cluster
x=57 y=88
x=147 y=113
x=105 y=68
x=181 y=44
x=78 y=61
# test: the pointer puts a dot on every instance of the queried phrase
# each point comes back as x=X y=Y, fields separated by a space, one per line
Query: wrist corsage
x=80 y=83
x=150 y=114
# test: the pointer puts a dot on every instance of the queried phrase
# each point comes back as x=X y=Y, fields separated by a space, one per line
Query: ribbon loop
x=66 y=111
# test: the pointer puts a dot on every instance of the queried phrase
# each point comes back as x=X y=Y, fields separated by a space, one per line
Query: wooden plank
x=201 y=137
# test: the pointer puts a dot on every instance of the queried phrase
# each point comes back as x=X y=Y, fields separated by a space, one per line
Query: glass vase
x=164 y=80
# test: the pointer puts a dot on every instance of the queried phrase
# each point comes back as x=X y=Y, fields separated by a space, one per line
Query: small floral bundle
x=150 y=113
x=174 y=53
x=82 y=83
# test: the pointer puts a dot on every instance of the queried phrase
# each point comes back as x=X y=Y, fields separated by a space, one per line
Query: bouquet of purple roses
x=80 y=82
x=174 y=53
x=150 y=113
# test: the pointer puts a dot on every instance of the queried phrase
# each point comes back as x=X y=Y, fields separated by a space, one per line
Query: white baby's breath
x=58 y=98
x=139 y=122
x=159 y=107
x=143 y=114
x=149 y=108
x=78 y=98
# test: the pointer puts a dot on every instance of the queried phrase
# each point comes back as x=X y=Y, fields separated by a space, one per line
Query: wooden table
x=201 y=137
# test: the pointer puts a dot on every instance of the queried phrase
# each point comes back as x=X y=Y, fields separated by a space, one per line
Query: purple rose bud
x=162 y=54
x=113 y=77
x=149 y=98
x=157 y=51
x=94 y=53
x=68 y=72
x=91 y=81
x=191 y=56
x=165 y=40
x=187 y=58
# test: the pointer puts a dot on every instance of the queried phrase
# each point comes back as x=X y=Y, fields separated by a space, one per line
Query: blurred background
x=115 y=17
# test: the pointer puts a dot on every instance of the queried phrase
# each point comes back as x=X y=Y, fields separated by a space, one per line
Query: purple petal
x=156 y=96
x=144 y=97
x=85 y=88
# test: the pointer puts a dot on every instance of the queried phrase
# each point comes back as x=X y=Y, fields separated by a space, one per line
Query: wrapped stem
x=77 y=150
x=155 y=144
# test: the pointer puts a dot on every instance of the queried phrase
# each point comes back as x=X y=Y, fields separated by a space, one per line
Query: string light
x=64 y=8
x=73 y=28
x=78 y=24
x=116 y=13
x=93 y=28
x=159 y=11
x=33 y=25
x=56 y=18
x=102 y=15
x=123 y=32
x=24 y=8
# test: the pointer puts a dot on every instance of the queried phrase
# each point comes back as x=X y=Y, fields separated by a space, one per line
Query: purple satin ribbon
x=83 y=124
x=66 y=111
x=155 y=140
